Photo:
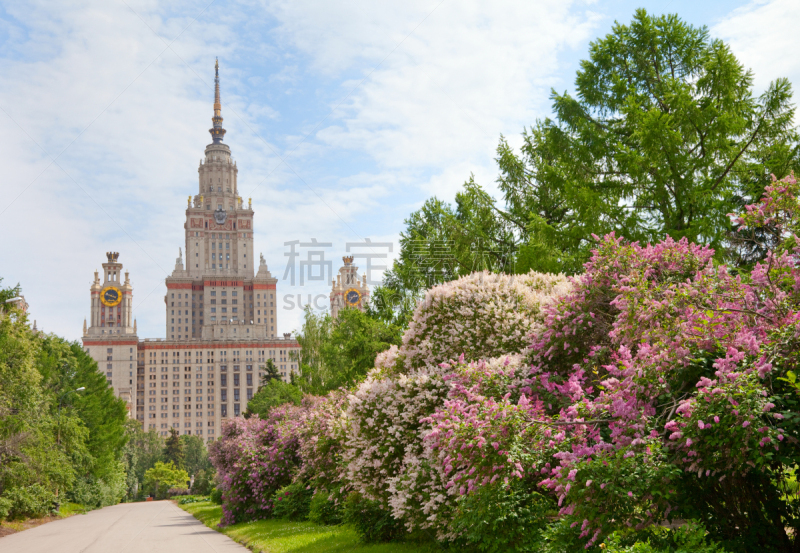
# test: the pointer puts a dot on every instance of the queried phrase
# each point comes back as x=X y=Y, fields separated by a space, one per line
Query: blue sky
x=343 y=118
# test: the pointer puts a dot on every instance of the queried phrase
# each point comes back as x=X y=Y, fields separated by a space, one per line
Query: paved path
x=155 y=526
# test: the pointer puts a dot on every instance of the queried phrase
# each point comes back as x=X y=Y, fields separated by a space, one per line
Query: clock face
x=352 y=296
x=110 y=296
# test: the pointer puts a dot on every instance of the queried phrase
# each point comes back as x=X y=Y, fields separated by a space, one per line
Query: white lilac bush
x=479 y=316
x=384 y=425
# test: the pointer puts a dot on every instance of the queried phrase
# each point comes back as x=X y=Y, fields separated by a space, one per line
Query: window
x=223 y=380
x=235 y=379
x=249 y=379
x=235 y=409
x=224 y=411
x=224 y=395
x=236 y=395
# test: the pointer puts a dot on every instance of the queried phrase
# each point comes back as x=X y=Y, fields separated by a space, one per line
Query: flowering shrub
x=479 y=316
x=321 y=444
x=254 y=458
x=656 y=385
x=383 y=424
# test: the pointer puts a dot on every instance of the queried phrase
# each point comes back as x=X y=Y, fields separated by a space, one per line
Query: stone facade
x=221 y=315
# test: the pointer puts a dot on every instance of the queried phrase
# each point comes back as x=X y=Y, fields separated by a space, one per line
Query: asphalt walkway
x=154 y=526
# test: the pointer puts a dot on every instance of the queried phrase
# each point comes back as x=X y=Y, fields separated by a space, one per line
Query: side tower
x=349 y=290
x=110 y=338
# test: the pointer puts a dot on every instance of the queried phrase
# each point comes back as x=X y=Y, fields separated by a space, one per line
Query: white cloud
x=462 y=74
x=763 y=35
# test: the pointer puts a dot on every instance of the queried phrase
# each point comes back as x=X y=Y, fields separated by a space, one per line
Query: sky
x=343 y=117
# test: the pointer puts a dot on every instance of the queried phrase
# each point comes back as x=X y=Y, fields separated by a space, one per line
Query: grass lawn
x=280 y=536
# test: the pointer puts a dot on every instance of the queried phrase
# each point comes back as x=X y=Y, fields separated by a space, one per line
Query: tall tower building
x=221 y=314
x=348 y=289
x=220 y=264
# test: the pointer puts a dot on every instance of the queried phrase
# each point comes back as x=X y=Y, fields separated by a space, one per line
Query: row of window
x=223 y=411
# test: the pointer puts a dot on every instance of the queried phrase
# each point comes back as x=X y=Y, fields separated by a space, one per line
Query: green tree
x=65 y=367
x=164 y=476
x=173 y=449
x=272 y=394
x=314 y=334
x=36 y=468
x=339 y=353
x=141 y=452
x=270 y=372
x=664 y=137
x=195 y=454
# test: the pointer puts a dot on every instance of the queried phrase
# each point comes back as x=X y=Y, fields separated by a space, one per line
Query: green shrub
x=163 y=477
x=689 y=538
x=30 y=502
x=94 y=493
x=371 y=522
x=323 y=510
x=5 y=507
x=192 y=499
x=292 y=502
x=503 y=518
x=215 y=496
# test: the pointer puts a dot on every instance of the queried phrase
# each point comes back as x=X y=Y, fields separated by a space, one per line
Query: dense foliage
x=273 y=393
x=341 y=352
x=61 y=427
x=657 y=386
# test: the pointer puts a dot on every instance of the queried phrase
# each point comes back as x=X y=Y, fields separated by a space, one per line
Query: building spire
x=217 y=132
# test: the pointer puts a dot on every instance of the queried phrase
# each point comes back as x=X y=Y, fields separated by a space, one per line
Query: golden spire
x=217 y=132
x=217 y=104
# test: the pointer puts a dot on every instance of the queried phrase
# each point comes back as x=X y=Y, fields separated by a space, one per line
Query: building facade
x=220 y=314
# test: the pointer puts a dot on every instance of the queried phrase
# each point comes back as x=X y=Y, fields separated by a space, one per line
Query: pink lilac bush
x=424 y=491
x=254 y=458
x=478 y=315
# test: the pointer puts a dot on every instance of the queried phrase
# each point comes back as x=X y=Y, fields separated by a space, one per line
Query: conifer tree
x=173 y=449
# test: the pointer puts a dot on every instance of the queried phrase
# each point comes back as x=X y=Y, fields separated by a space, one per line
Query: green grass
x=69 y=509
x=280 y=536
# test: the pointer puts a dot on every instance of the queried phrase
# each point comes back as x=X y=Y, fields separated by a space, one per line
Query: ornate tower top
x=217 y=132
